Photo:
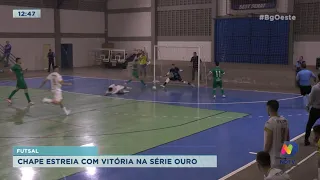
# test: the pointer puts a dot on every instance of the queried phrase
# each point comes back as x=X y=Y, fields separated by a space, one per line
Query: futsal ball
x=154 y=87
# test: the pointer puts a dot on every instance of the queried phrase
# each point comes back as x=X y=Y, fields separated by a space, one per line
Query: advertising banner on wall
x=253 y=4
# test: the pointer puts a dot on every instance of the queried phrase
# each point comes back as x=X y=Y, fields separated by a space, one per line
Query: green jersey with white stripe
x=217 y=73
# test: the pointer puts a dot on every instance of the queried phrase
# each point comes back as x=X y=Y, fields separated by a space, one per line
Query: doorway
x=66 y=56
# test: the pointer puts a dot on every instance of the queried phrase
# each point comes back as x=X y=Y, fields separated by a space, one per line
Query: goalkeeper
x=174 y=73
x=135 y=73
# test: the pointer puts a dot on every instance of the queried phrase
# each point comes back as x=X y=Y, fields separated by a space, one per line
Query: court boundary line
x=168 y=102
x=205 y=87
x=302 y=161
x=130 y=132
x=185 y=103
x=88 y=77
x=251 y=163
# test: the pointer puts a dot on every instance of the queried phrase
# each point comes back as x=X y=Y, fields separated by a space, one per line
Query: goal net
x=165 y=56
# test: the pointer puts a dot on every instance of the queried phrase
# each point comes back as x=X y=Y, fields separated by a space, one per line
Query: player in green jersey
x=21 y=83
x=217 y=73
x=135 y=73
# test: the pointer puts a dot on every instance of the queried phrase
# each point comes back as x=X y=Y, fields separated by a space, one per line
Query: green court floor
x=116 y=126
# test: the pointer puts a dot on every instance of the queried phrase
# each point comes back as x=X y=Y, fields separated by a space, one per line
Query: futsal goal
x=165 y=56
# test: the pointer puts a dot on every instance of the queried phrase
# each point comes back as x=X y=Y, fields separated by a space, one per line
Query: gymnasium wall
x=23 y=35
x=183 y=54
x=72 y=21
x=130 y=45
x=125 y=4
x=185 y=24
x=30 y=50
x=82 y=48
x=129 y=24
x=10 y=25
x=309 y=50
x=307 y=31
x=79 y=22
x=76 y=23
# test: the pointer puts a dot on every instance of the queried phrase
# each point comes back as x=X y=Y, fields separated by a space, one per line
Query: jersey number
x=283 y=135
x=218 y=74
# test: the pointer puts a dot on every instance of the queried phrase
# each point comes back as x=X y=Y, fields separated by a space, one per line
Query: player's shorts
x=305 y=90
x=21 y=85
x=57 y=95
x=175 y=78
x=275 y=163
x=217 y=84
x=135 y=74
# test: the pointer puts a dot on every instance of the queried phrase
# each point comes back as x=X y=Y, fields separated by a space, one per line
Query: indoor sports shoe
x=31 y=103
x=223 y=96
x=307 y=143
x=45 y=100
x=162 y=86
x=68 y=112
x=214 y=96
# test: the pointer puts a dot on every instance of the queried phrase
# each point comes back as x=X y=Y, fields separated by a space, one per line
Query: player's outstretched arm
x=107 y=94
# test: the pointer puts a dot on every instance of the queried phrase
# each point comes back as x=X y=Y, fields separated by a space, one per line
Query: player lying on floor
x=116 y=89
x=174 y=75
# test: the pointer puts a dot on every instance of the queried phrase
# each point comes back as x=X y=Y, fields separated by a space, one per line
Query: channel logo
x=289 y=149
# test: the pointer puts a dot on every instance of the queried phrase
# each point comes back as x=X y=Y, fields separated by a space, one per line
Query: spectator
x=6 y=54
x=51 y=56
x=299 y=63
x=264 y=164
x=314 y=106
x=143 y=60
x=276 y=131
x=195 y=65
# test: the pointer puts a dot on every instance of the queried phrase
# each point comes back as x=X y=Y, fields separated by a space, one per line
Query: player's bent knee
x=167 y=80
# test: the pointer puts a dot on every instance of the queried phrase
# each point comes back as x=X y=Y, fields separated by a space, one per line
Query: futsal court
x=180 y=120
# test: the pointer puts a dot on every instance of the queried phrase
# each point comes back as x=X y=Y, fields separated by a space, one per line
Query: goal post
x=165 y=56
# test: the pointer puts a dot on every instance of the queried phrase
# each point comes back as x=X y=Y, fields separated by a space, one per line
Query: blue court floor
x=231 y=141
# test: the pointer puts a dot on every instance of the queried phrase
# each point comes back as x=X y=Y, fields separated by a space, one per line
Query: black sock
x=165 y=83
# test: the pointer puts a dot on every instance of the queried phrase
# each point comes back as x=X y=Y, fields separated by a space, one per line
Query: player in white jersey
x=56 y=83
x=276 y=132
x=264 y=165
x=116 y=89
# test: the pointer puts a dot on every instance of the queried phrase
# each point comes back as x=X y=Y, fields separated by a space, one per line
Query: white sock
x=65 y=110
x=305 y=100
x=46 y=100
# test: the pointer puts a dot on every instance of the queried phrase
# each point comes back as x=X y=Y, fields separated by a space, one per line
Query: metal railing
x=12 y=58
